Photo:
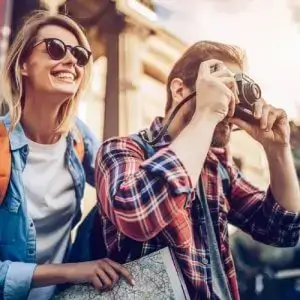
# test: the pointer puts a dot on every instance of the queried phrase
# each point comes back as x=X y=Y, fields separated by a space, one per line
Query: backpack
x=5 y=158
x=89 y=242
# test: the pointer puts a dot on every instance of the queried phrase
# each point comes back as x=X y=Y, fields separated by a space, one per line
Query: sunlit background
x=269 y=30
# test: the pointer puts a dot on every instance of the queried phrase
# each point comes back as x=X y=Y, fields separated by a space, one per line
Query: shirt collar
x=17 y=137
x=155 y=128
x=75 y=134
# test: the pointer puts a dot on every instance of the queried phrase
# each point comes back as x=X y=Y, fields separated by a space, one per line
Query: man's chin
x=219 y=143
x=221 y=135
x=220 y=140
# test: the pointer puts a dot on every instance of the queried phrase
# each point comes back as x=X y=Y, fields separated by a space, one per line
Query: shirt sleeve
x=141 y=197
x=257 y=212
x=15 y=279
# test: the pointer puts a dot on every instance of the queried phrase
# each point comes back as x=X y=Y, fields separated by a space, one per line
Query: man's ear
x=177 y=90
x=24 y=71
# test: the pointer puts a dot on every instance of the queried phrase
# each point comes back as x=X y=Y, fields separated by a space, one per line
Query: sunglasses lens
x=81 y=54
x=56 y=49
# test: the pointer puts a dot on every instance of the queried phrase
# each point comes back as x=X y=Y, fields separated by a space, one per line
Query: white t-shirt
x=51 y=203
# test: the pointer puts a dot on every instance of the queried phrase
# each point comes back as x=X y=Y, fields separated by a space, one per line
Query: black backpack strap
x=223 y=172
x=141 y=139
x=89 y=242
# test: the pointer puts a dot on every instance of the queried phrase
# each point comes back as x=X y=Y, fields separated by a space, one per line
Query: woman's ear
x=24 y=71
x=177 y=90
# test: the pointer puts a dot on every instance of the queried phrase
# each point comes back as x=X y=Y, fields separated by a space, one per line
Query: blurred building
x=5 y=27
x=133 y=56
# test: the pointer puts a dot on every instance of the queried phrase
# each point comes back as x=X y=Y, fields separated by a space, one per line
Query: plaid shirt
x=152 y=201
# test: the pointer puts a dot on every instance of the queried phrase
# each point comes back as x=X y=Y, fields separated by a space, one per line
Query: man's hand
x=273 y=130
x=216 y=90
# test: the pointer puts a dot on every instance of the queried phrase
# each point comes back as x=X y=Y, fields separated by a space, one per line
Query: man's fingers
x=231 y=108
x=121 y=270
x=206 y=66
x=258 y=106
x=273 y=115
x=226 y=73
x=223 y=73
x=242 y=124
x=228 y=81
x=264 y=116
x=231 y=84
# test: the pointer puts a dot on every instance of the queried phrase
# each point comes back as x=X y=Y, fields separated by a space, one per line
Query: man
x=156 y=200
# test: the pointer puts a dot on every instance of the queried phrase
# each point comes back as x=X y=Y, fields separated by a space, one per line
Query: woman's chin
x=65 y=91
x=66 y=88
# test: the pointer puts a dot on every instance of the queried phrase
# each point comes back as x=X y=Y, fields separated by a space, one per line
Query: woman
x=46 y=70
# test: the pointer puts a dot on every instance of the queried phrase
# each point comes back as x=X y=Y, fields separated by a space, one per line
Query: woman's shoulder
x=5 y=120
x=4 y=125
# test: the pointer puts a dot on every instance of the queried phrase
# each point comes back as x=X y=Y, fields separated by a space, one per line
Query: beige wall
x=255 y=165
x=91 y=111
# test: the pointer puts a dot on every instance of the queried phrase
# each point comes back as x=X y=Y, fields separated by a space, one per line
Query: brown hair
x=11 y=79
x=186 y=68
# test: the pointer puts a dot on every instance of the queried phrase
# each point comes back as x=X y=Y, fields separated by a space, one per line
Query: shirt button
x=31 y=251
x=204 y=261
x=31 y=225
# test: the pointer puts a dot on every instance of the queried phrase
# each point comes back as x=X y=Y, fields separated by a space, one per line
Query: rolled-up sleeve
x=18 y=281
x=167 y=166
x=259 y=214
x=141 y=197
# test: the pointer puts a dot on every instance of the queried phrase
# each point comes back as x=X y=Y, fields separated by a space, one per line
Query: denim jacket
x=17 y=231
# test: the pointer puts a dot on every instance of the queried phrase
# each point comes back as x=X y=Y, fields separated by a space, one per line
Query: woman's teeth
x=65 y=76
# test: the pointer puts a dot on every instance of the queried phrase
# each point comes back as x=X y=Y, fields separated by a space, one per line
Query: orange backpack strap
x=5 y=162
x=79 y=144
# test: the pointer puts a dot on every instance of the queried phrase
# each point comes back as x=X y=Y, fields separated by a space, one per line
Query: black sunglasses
x=57 y=50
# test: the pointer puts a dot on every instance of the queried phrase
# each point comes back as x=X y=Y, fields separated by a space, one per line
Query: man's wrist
x=205 y=118
x=276 y=152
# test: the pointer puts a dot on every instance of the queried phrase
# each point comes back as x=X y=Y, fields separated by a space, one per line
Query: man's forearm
x=192 y=144
x=284 y=182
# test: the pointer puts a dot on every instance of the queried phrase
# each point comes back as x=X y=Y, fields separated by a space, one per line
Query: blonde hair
x=11 y=79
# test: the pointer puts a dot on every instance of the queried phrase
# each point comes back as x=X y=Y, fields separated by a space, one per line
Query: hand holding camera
x=215 y=91
x=265 y=123
x=249 y=93
x=238 y=97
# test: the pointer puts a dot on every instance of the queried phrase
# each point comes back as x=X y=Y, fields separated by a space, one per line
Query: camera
x=249 y=93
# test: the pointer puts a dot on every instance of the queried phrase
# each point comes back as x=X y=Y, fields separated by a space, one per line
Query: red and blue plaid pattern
x=152 y=201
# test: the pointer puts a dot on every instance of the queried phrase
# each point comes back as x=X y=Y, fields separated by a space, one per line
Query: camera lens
x=252 y=92
x=256 y=91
